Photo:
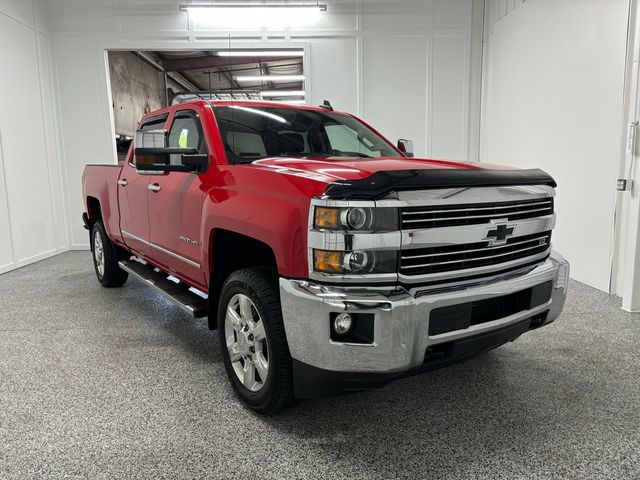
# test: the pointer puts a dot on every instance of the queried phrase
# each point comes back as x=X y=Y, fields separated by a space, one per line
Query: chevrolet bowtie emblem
x=499 y=235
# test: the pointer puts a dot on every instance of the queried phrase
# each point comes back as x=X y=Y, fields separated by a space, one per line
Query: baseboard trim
x=32 y=259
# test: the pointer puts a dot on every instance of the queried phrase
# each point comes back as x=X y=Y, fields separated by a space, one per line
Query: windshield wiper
x=292 y=155
x=345 y=153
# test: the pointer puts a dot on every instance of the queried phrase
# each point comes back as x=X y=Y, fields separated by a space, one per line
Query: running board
x=177 y=293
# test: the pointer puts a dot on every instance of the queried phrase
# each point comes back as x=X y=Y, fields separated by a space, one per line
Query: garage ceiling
x=208 y=71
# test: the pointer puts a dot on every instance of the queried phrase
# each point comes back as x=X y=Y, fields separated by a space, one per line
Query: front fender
x=281 y=222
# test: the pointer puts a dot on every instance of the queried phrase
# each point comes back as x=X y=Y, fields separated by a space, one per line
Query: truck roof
x=244 y=103
x=240 y=103
x=265 y=103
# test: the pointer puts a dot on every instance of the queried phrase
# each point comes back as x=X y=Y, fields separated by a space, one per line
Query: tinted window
x=185 y=133
x=153 y=123
x=251 y=133
x=345 y=139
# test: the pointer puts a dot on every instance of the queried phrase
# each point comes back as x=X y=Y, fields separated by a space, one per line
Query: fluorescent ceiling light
x=270 y=115
x=318 y=7
x=258 y=53
x=282 y=93
x=269 y=78
x=247 y=15
x=294 y=102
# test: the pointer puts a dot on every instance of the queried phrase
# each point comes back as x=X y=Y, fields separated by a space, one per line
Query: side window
x=345 y=139
x=153 y=123
x=186 y=132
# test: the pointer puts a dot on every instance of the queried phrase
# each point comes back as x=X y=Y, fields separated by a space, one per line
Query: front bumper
x=401 y=328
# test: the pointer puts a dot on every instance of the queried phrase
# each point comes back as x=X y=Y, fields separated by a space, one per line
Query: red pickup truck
x=327 y=258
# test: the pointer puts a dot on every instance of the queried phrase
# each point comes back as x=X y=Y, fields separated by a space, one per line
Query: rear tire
x=105 y=258
x=253 y=342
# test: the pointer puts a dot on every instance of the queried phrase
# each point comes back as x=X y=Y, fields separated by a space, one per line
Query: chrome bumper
x=401 y=328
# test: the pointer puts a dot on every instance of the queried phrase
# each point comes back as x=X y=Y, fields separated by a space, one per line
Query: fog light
x=342 y=323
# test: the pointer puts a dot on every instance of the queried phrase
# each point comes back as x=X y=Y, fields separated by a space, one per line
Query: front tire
x=253 y=342
x=105 y=258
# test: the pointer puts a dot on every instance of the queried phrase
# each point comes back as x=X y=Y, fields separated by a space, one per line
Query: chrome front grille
x=423 y=261
x=454 y=215
x=447 y=236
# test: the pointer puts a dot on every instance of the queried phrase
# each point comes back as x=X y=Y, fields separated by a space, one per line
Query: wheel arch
x=94 y=209
x=239 y=251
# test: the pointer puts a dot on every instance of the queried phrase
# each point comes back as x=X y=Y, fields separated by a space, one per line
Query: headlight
x=356 y=262
x=355 y=218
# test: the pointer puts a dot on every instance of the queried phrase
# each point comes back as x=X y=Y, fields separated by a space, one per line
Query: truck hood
x=358 y=178
x=331 y=169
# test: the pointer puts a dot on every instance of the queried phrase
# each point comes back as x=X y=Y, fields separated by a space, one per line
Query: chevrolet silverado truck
x=327 y=258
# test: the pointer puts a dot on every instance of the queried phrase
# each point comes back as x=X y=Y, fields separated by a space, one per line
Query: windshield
x=251 y=133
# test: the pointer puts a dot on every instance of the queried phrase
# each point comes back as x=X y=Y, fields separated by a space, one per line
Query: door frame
x=625 y=277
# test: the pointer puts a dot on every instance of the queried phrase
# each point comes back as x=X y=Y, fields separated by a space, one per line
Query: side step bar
x=177 y=293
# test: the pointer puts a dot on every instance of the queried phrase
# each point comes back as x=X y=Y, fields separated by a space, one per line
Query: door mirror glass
x=151 y=138
x=147 y=145
x=406 y=147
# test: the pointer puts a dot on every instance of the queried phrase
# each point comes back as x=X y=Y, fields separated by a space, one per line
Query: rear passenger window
x=153 y=123
x=185 y=132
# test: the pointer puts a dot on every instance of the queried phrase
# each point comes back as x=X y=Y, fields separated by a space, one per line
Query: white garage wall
x=32 y=220
x=552 y=98
x=410 y=67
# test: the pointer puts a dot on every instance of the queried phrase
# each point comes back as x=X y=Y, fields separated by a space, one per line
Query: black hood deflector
x=382 y=183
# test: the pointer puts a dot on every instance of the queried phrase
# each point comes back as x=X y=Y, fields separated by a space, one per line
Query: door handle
x=123 y=182
x=154 y=187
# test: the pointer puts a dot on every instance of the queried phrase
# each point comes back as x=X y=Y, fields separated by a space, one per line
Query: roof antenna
x=327 y=106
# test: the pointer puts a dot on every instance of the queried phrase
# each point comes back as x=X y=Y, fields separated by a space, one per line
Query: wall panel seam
x=6 y=198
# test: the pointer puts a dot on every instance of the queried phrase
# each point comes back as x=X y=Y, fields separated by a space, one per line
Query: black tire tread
x=265 y=284
x=113 y=276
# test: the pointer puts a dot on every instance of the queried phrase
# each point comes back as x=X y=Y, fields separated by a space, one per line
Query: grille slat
x=450 y=262
x=545 y=203
x=466 y=251
x=481 y=216
x=455 y=215
x=463 y=256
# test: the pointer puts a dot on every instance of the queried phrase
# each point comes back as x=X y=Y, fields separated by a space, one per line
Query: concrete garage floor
x=101 y=383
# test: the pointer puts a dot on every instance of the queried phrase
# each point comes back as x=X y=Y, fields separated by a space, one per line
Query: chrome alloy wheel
x=98 y=252
x=246 y=342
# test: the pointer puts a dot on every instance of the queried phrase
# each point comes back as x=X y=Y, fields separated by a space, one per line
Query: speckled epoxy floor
x=99 y=383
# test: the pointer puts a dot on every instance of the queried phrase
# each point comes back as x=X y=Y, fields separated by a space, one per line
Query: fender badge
x=182 y=238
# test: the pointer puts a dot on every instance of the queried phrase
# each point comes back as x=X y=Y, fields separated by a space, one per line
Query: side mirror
x=158 y=160
x=406 y=147
x=197 y=161
x=152 y=154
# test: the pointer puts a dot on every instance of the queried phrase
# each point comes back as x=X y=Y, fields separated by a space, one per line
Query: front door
x=175 y=206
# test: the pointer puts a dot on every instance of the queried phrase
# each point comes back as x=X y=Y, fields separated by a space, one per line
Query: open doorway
x=143 y=81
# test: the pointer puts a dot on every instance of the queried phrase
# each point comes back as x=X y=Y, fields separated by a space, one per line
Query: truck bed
x=100 y=182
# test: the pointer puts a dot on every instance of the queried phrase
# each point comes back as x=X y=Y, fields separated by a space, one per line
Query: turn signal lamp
x=326 y=217
x=327 y=261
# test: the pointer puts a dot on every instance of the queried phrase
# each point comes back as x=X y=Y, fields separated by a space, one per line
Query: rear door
x=175 y=205
x=133 y=197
